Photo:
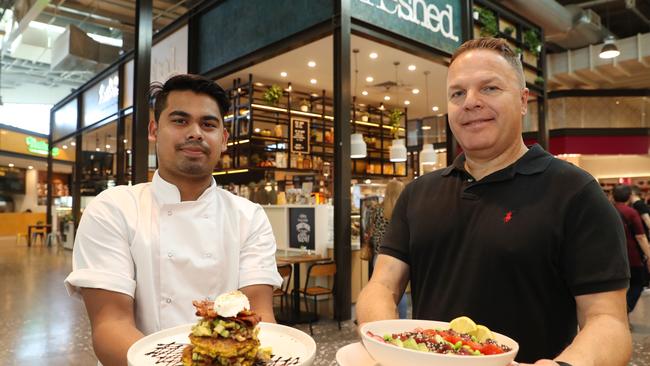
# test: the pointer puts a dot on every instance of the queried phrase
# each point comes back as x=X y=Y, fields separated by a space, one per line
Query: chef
x=143 y=253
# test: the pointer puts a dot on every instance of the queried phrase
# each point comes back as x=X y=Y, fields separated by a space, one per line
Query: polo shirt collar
x=534 y=161
x=168 y=194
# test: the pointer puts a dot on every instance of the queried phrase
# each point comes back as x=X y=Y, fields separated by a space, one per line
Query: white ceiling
x=294 y=63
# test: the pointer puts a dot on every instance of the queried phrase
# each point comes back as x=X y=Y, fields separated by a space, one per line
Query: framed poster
x=302 y=229
x=300 y=136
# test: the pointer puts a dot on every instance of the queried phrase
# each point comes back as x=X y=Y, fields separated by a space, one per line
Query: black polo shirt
x=511 y=250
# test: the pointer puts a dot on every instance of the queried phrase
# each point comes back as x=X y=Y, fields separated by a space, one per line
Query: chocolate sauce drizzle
x=279 y=361
x=169 y=354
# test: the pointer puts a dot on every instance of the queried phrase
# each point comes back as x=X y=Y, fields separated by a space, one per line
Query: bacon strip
x=205 y=309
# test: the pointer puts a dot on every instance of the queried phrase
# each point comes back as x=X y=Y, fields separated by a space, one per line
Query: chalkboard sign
x=302 y=228
x=300 y=135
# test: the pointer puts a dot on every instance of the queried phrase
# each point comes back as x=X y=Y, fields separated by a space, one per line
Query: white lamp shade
x=398 y=151
x=357 y=146
x=428 y=155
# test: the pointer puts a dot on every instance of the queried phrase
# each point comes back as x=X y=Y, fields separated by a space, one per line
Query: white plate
x=354 y=354
x=165 y=348
x=390 y=355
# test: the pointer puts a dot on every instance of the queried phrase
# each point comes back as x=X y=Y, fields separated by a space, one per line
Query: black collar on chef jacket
x=534 y=161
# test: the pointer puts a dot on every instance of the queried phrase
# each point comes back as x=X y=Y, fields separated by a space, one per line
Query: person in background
x=379 y=221
x=642 y=208
x=510 y=236
x=143 y=253
x=638 y=250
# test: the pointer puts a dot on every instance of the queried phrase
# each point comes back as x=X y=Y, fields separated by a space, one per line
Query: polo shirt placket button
x=169 y=213
x=168 y=300
x=170 y=255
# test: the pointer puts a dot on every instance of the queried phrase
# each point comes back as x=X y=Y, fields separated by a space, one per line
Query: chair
x=39 y=233
x=285 y=271
x=319 y=270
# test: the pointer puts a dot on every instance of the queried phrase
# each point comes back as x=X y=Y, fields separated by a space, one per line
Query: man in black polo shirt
x=512 y=237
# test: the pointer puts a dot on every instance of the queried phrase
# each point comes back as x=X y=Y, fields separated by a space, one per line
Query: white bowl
x=391 y=355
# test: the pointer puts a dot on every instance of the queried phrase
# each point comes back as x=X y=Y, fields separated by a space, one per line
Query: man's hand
x=261 y=299
x=113 y=324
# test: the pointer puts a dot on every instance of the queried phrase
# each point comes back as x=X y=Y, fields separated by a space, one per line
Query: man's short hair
x=622 y=193
x=636 y=190
x=500 y=46
x=158 y=92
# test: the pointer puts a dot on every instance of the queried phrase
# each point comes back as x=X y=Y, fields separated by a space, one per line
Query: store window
x=98 y=160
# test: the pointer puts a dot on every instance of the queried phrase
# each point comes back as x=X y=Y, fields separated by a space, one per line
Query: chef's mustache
x=195 y=145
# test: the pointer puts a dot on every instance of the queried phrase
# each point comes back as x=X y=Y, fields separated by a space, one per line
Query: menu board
x=300 y=135
x=302 y=231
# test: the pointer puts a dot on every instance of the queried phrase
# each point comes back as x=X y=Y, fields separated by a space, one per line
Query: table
x=294 y=315
x=38 y=227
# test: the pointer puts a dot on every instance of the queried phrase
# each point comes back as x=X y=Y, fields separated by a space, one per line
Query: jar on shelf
x=306 y=162
x=299 y=161
x=278 y=130
x=226 y=161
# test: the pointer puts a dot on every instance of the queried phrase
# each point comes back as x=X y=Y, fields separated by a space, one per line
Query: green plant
x=539 y=80
x=395 y=119
x=508 y=30
x=272 y=95
x=489 y=23
x=532 y=41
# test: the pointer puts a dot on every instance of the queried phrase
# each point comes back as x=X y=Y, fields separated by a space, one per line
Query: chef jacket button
x=208 y=255
x=169 y=213
x=470 y=180
x=205 y=216
x=168 y=300
x=170 y=254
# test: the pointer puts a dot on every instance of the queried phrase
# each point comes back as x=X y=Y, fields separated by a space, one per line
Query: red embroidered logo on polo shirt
x=507 y=217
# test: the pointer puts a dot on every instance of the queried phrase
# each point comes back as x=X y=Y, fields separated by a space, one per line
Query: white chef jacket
x=144 y=242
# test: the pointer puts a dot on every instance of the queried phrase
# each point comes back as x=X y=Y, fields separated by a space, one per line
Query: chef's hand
x=538 y=363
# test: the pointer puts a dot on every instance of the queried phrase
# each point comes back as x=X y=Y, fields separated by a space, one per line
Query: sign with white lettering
x=435 y=23
x=100 y=101
x=302 y=230
x=300 y=136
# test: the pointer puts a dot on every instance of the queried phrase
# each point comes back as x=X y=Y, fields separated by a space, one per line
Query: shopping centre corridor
x=41 y=325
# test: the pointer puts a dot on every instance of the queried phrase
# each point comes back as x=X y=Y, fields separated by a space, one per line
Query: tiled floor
x=41 y=325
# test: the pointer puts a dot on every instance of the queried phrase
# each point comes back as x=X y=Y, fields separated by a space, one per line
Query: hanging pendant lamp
x=428 y=156
x=358 y=148
x=398 y=151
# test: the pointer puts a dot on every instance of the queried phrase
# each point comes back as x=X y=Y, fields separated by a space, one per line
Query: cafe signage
x=300 y=136
x=301 y=228
x=435 y=23
x=100 y=101
x=39 y=146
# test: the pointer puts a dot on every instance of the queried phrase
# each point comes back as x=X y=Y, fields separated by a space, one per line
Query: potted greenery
x=539 y=81
x=395 y=118
x=532 y=42
x=508 y=31
x=488 y=21
x=272 y=95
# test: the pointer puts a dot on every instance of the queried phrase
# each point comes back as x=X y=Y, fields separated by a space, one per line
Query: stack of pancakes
x=224 y=341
